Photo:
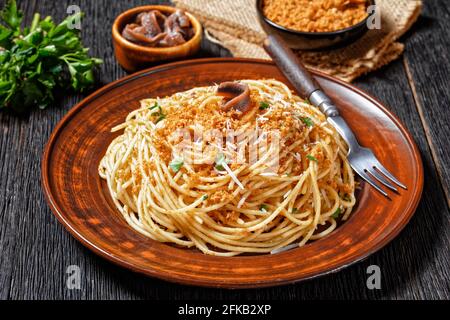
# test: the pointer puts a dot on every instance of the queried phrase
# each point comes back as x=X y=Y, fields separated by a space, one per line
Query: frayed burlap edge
x=247 y=43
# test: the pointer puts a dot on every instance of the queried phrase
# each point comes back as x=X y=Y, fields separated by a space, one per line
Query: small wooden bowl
x=133 y=57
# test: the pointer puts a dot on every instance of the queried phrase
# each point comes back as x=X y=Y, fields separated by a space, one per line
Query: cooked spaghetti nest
x=223 y=207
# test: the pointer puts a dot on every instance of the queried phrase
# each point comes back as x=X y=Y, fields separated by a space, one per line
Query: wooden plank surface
x=35 y=249
x=427 y=63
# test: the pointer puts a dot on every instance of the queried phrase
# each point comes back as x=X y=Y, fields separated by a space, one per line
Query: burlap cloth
x=234 y=25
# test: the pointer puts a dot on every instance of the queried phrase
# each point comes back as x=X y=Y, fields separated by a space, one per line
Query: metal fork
x=361 y=159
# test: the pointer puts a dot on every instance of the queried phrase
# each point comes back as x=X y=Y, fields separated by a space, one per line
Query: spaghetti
x=271 y=178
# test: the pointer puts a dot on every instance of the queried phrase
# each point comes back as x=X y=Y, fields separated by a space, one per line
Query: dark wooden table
x=35 y=250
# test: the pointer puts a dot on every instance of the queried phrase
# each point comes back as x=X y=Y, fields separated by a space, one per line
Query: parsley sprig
x=307 y=121
x=159 y=113
x=176 y=164
x=336 y=214
x=220 y=161
x=263 y=105
x=37 y=60
x=312 y=158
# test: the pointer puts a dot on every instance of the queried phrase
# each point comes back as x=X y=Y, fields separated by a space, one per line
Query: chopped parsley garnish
x=263 y=208
x=156 y=105
x=336 y=214
x=205 y=197
x=294 y=210
x=176 y=164
x=307 y=101
x=220 y=161
x=160 y=118
x=307 y=121
x=312 y=158
x=160 y=114
x=263 y=105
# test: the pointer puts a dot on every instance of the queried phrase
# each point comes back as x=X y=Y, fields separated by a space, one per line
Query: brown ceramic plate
x=81 y=202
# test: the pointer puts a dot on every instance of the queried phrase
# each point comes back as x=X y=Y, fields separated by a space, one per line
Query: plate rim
x=57 y=211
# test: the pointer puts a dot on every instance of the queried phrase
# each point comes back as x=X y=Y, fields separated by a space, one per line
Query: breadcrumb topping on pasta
x=184 y=170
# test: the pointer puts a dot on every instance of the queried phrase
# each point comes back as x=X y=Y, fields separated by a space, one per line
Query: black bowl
x=313 y=40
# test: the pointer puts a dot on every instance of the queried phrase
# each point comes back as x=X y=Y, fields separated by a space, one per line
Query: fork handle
x=302 y=80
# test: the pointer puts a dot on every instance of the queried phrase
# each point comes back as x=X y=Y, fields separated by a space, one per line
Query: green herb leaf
x=205 y=197
x=5 y=33
x=263 y=208
x=156 y=105
x=46 y=24
x=11 y=16
x=160 y=114
x=336 y=214
x=176 y=164
x=294 y=210
x=220 y=161
x=39 y=59
x=307 y=121
x=47 y=51
x=312 y=158
x=160 y=118
x=263 y=105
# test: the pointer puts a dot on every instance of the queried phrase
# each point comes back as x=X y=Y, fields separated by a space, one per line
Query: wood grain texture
x=423 y=245
x=431 y=80
x=36 y=250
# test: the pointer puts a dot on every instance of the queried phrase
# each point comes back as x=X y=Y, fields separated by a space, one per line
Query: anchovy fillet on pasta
x=218 y=205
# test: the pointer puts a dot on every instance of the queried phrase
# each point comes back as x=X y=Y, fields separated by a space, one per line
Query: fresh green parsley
x=307 y=121
x=336 y=214
x=156 y=105
x=220 y=161
x=176 y=165
x=263 y=208
x=205 y=197
x=312 y=158
x=160 y=118
x=263 y=105
x=160 y=114
x=38 y=60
